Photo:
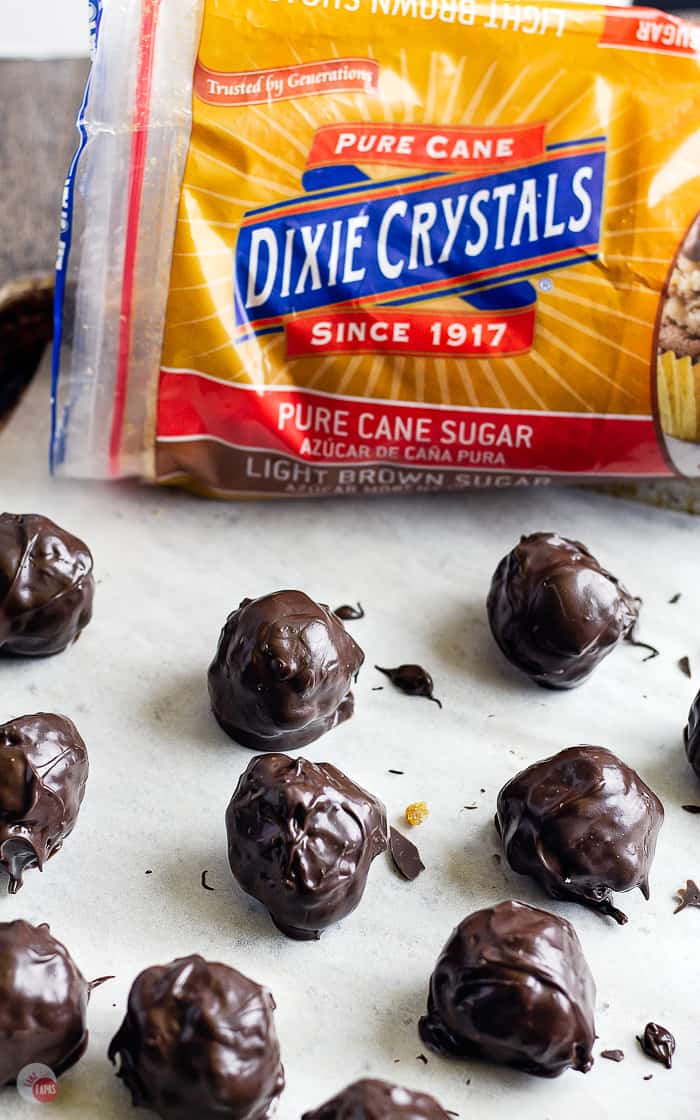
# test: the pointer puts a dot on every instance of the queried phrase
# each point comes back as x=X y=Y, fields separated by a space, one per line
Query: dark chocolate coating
x=405 y=855
x=46 y=586
x=370 y=1099
x=43 y=771
x=414 y=680
x=199 y=1040
x=43 y=1001
x=512 y=985
x=347 y=613
x=555 y=612
x=582 y=824
x=301 y=839
x=658 y=1043
x=282 y=671
x=691 y=735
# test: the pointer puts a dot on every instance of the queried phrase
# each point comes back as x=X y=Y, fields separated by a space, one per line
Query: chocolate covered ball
x=555 y=612
x=691 y=735
x=370 y=1099
x=582 y=824
x=512 y=985
x=43 y=1002
x=282 y=672
x=301 y=839
x=43 y=771
x=199 y=1041
x=46 y=586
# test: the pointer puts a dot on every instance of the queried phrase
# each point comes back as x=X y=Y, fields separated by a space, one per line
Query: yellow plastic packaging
x=398 y=245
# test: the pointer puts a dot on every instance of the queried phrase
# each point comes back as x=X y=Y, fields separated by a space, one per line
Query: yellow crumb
x=417 y=812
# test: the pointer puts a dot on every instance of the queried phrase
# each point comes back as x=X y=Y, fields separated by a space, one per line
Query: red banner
x=257 y=87
x=426 y=145
x=646 y=29
x=325 y=428
x=411 y=332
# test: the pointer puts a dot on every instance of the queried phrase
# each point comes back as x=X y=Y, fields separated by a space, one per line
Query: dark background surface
x=37 y=138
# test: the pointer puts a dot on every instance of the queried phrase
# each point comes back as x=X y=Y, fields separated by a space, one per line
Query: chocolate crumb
x=405 y=855
x=414 y=680
x=422 y=1058
x=684 y=666
x=496 y=857
x=402 y=772
x=482 y=791
x=689 y=895
x=613 y=1055
x=205 y=883
x=149 y=872
x=691 y=808
x=348 y=614
x=658 y=1043
x=416 y=813
x=675 y=598
x=648 y=1077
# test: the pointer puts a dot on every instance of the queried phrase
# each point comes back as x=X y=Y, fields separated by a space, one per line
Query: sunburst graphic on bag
x=594 y=317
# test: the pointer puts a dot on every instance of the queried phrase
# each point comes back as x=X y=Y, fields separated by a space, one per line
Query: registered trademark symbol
x=545 y=284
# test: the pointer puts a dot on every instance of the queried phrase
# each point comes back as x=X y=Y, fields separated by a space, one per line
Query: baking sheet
x=169 y=568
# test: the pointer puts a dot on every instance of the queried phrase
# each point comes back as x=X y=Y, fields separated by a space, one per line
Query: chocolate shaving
x=205 y=883
x=689 y=895
x=378 y=688
x=414 y=680
x=148 y=872
x=648 y=1077
x=422 y=1058
x=471 y=805
x=613 y=1055
x=348 y=613
x=675 y=598
x=658 y=1043
x=684 y=666
x=395 y=771
x=405 y=855
x=691 y=808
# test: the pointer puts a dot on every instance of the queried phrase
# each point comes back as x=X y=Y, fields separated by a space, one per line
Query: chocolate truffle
x=512 y=985
x=43 y=771
x=282 y=671
x=691 y=735
x=582 y=824
x=199 y=1040
x=555 y=612
x=43 y=1001
x=46 y=586
x=378 y=1100
x=301 y=839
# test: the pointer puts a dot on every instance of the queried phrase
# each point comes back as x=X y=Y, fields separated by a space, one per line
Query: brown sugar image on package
x=678 y=367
